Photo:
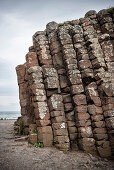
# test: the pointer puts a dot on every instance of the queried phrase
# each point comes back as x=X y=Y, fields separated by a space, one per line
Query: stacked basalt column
x=92 y=15
x=99 y=66
x=57 y=57
x=55 y=100
x=31 y=64
x=106 y=40
x=40 y=111
x=106 y=88
x=41 y=107
x=106 y=22
x=84 y=137
x=24 y=97
x=86 y=71
x=66 y=86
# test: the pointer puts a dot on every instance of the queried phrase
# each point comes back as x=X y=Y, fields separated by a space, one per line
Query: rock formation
x=66 y=85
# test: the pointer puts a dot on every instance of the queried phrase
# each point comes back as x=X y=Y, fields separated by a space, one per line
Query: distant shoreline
x=7 y=115
x=8 y=119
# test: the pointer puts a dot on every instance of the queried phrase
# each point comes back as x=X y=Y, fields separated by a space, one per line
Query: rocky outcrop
x=66 y=85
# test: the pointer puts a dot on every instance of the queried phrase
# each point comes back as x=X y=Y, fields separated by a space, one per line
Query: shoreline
x=8 y=119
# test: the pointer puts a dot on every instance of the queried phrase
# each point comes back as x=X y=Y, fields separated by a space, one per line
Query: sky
x=19 y=20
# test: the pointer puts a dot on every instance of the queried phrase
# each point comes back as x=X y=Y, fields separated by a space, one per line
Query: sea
x=9 y=114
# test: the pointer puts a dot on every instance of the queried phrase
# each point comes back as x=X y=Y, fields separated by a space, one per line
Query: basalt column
x=54 y=97
x=99 y=66
x=24 y=97
x=84 y=138
x=66 y=86
x=58 y=62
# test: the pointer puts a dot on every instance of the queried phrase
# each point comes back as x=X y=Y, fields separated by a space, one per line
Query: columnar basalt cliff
x=66 y=85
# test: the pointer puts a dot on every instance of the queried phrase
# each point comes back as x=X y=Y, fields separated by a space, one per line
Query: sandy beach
x=19 y=155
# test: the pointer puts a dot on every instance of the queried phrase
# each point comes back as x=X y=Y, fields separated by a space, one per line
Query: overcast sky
x=19 y=20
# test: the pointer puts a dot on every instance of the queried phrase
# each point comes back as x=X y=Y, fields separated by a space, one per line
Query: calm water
x=10 y=114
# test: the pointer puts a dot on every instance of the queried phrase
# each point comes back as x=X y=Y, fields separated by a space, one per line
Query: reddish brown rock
x=77 y=89
x=80 y=99
x=33 y=138
x=31 y=59
x=66 y=86
x=45 y=135
x=81 y=109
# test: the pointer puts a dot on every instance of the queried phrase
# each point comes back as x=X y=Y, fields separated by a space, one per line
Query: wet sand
x=19 y=155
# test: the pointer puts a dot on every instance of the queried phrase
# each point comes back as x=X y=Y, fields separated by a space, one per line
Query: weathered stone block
x=110 y=123
x=93 y=110
x=80 y=99
x=83 y=64
x=26 y=131
x=99 y=130
x=39 y=92
x=85 y=132
x=82 y=116
x=61 y=139
x=31 y=59
x=97 y=117
x=56 y=102
x=41 y=123
x=57 y=113
x=71 y=67
x=32 y=127
x=20 y=69
x=71 y=123
x=108 y=107
x=68 y=107
x=104 y=152
x=72 y=130
x=109 y=113
x=23 y=111
x=41 y=110
x=40 y=98
x=65 y=39
x=23 y=91
x=77 y=89
x=51 y=26
x=98 y=124
x=50 y=72
x=45 y=135
x=33 y=138
x=50 y=92
x=35 y=71
x=61 y=132
x=58 y=119
x=58 y=61
x=78 y=38
x=70 y=60
x=51 y=83
x=59 y=125
x=81 y=109
x=75 y=79
x=100 y=136
x=107 y=100
x=67 y=98
x=26 y=120
x=87 y=144
x=63 y=81
x=83 y=122
x=70 y=115
x=87 y=73
x=73 y=136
